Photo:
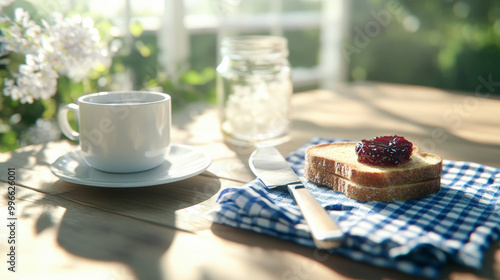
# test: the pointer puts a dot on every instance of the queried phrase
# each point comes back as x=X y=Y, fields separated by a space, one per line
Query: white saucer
x=182 y=162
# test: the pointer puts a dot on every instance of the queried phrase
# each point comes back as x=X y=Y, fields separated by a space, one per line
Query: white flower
x=35 y=80
x=73 y=46
x=69 y=47
x=24 y=35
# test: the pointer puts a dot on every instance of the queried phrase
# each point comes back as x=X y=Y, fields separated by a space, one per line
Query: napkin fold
x=417 y=236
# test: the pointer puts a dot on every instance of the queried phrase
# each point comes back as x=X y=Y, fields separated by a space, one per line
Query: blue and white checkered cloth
x=417 y=236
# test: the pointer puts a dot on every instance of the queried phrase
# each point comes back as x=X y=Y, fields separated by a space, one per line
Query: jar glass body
x=254 y=89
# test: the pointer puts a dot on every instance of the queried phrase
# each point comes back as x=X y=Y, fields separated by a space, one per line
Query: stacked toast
x=336 y=165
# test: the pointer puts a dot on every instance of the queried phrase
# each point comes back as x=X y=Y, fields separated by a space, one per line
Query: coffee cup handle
x=62 y=119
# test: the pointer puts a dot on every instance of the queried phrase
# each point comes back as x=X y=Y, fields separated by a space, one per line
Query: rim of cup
x=129 y=98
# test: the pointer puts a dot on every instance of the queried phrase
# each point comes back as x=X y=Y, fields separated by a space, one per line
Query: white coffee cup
x=121 y=132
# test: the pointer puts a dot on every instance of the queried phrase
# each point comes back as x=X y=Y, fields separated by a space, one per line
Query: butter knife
x=272 y=169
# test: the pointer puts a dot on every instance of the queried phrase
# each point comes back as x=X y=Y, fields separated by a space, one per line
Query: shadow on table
x=104 y=236
x=94 y=234
x=29 y=157
x=156 y=204
x=133 y=226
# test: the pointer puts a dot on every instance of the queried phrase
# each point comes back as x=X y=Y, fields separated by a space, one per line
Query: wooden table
x=70 y=231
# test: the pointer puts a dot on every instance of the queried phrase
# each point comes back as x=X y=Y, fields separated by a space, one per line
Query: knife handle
x=325 y=231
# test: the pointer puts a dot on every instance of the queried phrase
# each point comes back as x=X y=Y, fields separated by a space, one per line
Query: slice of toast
x=341 y=159
x=370 y=193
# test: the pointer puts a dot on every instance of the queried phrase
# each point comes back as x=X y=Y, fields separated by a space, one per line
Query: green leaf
x=143 y=49
x=50 y=108
x=9 y=141
x=208 y=74
x=136 y=29
x=192 y=78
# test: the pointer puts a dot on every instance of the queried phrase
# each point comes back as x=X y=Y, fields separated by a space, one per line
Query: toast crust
x=341 y=159
x=370 y=193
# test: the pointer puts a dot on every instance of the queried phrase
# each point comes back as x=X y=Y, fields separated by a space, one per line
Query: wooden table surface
x=70 y=231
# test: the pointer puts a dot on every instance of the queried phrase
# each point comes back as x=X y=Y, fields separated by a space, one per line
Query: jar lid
x=244 y=46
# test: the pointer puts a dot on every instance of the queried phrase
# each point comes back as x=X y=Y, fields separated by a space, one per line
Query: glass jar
x=254 y=89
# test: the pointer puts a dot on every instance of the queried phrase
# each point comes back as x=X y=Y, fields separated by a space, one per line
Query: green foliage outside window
x=444 y=44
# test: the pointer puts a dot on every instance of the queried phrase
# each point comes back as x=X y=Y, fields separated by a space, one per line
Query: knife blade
x=271 y=168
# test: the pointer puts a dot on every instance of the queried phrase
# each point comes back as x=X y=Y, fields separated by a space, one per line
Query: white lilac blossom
x=22 y=36
x=69 y=47
x=73 y=46
x=35 y=80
